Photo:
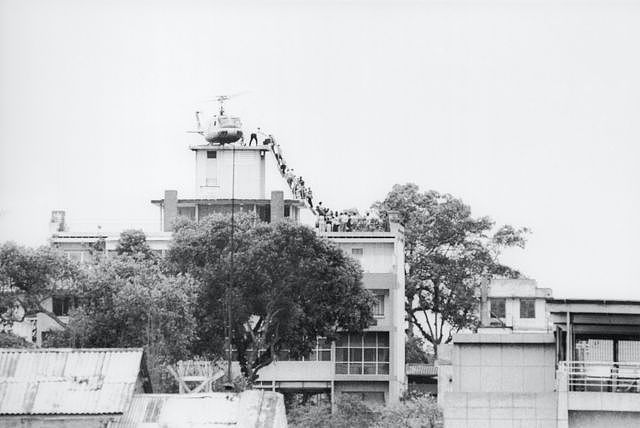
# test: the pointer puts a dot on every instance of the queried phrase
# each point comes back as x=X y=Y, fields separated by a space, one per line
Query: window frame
x=524 y=311
x=347 y=363
x=492 y=301
x=378 y=305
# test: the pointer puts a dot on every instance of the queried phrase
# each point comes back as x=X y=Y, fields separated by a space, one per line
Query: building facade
x=251 y=179
x=370 y=364
x=555 y=363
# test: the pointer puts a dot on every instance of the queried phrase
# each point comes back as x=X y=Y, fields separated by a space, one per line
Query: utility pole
x=231 y=270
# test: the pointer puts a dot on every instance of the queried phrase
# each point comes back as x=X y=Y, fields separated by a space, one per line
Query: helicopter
x=222 y=129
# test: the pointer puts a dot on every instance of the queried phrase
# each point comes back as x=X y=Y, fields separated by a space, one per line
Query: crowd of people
x=296 y=183
x=347 y=220
x=327 y=220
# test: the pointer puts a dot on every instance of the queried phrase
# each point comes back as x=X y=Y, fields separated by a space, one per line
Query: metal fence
x=602 y=376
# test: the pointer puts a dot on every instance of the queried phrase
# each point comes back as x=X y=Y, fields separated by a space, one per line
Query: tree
x=129 y=302
x=28 y=277
x=414 y=351
x=352 y=412
x=9 y=340
x=284 y=285
x=133 y=242
x=449 y=253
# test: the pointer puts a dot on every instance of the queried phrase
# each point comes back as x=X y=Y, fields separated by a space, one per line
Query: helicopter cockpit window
x=229 y=122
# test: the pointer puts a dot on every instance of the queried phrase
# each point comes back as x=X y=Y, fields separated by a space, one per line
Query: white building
x=370 y=364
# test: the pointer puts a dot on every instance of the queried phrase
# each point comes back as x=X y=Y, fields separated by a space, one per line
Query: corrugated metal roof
x=249 y=408
x=67 y=381
x=415 y=369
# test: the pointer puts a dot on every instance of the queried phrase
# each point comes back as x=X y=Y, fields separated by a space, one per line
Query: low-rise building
x=578 y=368
x=249 y=409
x=68 y=387
x=252 y=179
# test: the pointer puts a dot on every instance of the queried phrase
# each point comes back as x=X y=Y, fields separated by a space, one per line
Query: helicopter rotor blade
x=224 y=97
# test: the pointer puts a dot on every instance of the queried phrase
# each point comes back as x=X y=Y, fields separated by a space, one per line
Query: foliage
x=309 y=415
x=9 y=340
x=414 y=351
x=420 y=412
x=57 y=339
x=133 y=243
x=31 y=276
x=449 y=253
x=350 y=411
x=285 y=287
x=130 y=302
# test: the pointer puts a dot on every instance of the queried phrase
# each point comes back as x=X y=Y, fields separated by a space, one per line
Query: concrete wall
x=498 y=410
x=216 y=182
x=298 y=371
x=600 y=419
x=513 y=290
x=377 y=257
x=503 y=367
x=496 y=380
x=256 y=175
x=512 y=315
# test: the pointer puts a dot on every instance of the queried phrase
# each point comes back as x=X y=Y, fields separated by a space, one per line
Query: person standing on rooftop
x=254 y=137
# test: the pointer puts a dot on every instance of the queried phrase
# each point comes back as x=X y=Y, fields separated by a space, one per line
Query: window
x=189 y=212
x=229 y=122
x=378 y=306
x=498 y=308
x=358 y=354
x=357 y=252
x=63 y=304
x=211 y=169
x=527 y=308
x=321 y=352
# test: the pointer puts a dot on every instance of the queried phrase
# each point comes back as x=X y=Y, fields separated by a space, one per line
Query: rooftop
x=67 y=381
x=249 y=408
x=237 y=147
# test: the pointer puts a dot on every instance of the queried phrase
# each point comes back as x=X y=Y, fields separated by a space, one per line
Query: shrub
x=422 y=412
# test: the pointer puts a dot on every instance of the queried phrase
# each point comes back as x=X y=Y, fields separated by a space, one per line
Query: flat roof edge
x=503 y=338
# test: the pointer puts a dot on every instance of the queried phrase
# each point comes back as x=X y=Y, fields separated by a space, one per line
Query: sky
x=527 y=110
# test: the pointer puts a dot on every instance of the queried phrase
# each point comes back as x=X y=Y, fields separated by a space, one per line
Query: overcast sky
x=528 y=111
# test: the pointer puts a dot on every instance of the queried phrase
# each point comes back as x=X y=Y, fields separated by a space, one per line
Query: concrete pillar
x=569 y=354
x=170 y=209
x=277 y=205
x=562 y=387
x=485 y=314
x=261 y=178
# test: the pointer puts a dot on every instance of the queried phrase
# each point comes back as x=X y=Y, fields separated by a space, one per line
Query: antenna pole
x=231 y=274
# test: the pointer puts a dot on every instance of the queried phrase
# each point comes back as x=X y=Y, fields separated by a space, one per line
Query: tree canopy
x=29 y=276
x=133 y=243
x=285 y=286
x=449 y=253
x=129 y=302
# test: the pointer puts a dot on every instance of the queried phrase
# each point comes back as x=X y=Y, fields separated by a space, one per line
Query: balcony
x=600 y=385
x=600 y=376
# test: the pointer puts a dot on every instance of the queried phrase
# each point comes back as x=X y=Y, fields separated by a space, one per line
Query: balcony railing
x=601 y=376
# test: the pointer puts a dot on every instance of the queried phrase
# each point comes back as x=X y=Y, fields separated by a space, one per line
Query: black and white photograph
x=320 y=213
